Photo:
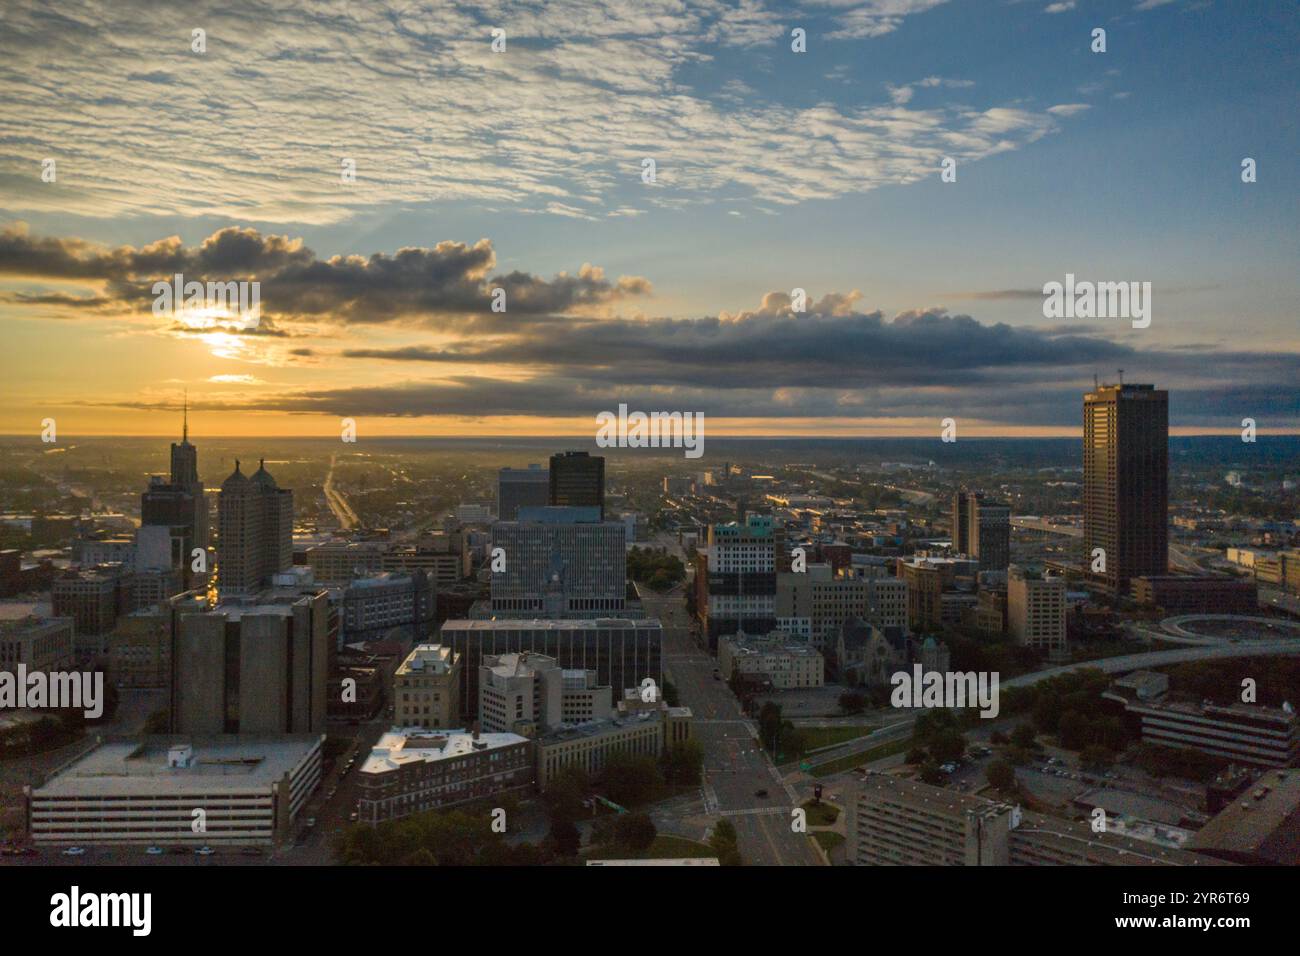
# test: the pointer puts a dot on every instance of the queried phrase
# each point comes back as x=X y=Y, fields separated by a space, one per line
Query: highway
x=347 y=518
x=735 y=767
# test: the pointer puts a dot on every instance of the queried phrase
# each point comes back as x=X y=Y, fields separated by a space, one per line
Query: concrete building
x=255 y=531
x=93 y=598
x=1196 y=594
x=620 y=652
x=446 y=559
x=522 y=488
x=931 y=582
x=257 y=664
x=529 y=694
x=776 y=659
x=175 y=511
x=1243 y=733
x=818 y=603
x=893 y=821
x=336 y=563
x=1036 y=606
x=1259 y=828
x=426 y=688
x=413 y=770
x=641 y=728
x=390 y=605
x=1126 y=482
x=561 y=562
x=139 y=649
x=40 y=645
x=739 y=580
x=145 y=791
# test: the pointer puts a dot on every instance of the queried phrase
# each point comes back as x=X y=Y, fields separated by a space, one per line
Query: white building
x=786 y=663
x=1036 y=611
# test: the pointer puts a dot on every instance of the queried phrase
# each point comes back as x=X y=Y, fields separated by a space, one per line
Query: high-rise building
x=1036 y=611
x=390 y=606
x=255 y=531
x=426 y=688
x=528 y=694
x=561 y=562
x=577 y=479
x=1125 y=483
x=522 y=488
x=740 y=567
x=179 y=503
x=981 y=528
x=251 y=665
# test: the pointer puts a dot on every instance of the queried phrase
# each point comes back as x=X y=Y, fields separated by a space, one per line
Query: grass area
x=828 y=839
x=821 y=814
x=665 y=847
x=850 y=761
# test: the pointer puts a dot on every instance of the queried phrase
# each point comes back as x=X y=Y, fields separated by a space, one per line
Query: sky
x=386 y=177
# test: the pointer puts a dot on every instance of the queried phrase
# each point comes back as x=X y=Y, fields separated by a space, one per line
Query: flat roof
x=137 y=766
x=404 y=745
x=539 y=624
x=1258 y=825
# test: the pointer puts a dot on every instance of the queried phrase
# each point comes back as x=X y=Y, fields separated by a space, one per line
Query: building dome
x=237 y=481
x=262 y=478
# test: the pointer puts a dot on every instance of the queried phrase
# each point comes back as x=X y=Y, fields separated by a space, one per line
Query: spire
x=185 y=427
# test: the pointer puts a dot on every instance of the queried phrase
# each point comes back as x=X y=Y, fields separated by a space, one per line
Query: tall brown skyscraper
x=578 y=480
x=1126 y=482
x=981 y=528
x=255 y=531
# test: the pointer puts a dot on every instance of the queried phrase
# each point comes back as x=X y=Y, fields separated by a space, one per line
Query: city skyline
x=522 y=170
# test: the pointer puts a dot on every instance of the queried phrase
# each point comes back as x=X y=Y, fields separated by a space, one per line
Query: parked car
x=154 y=851
x=204 y=851
x=760 y=793
x=251 y=851
x=75 y=851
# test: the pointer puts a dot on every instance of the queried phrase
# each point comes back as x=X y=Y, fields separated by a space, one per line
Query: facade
x=1126 y=482
x=179 y=505
x=577 y=479
x=982 y=529
x=641 y=728
x=740 y=583
x=255 y=531
x=1036 y=607
x=426 y=688
x=254 y=665
x=1197 y=594
x=446 y=560
x=93 y=598
x=412 y=770
x=894 y=821
x=775 y=658
x=144 y=791
x=1243 y=733
x=1261 y=828
x=561 y=562
x=338 y=562
x=817 y=603
x=38 y=645
x=139 y=649
x=522 y=488
x=390 y=605
x=622 y=653
x=1281 y=570
x=928 y=581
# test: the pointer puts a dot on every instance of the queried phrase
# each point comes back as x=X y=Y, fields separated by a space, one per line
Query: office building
x=139 y=649
x=389 y=606
x=426 y=688
x=39 y=645
x=739 y=580
x=577 y=480
x=255 y=531
x=412 y=770
x=775 y=660
x=256 y=664
x=445 y=558
x=1260 y=827
x=144 y=791
x=93 y=598
x=1197 y=593
x=1036 y=609
x=179 y=505
x=893 y=821
x=933 y=599
x=560 y=563
x=981 y=529
x=640 y=728
x=1126 y=483
x=621 y=652
x=336 y=563
x=1243 y=733
x=529 y=694
x=522 y=488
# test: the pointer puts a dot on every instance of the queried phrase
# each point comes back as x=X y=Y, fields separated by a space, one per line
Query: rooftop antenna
x=1121 y=376
x=185 y=426
x=1096 y=383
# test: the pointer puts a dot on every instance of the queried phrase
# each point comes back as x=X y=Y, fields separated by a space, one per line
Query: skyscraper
x=521 y=488
x=179 y=503
x=578 y=480
x=255 y=531
x=981 y=528
x=1125 y=483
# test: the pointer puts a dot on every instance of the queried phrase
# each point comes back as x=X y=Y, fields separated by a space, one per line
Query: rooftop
x=404 y=745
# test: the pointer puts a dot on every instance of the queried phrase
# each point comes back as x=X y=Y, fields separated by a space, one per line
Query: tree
x=635 y=831
x=930 y=773
x=1001 y=775
x=1096 y=758
x=683 y=762
x=564 y=836
x=630 y=780
x=1072 y=730
x=917 y=755
x=723 y=843
x=1024 y=736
